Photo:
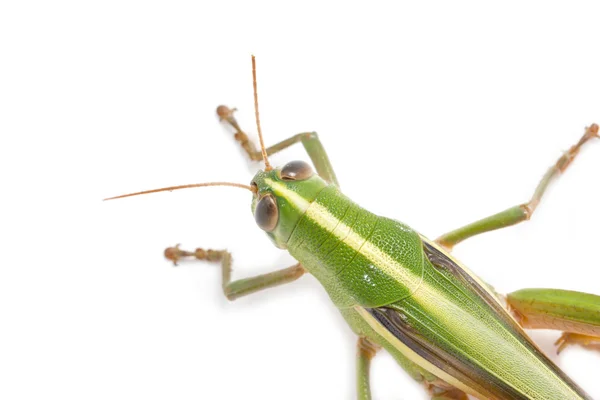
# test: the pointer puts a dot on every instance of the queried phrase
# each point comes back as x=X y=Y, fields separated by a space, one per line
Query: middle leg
x=522 y=212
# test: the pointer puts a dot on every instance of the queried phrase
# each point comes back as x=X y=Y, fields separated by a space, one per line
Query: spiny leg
x=522 y=212
x=310 y=141
x=242 y=287
x=575 y=313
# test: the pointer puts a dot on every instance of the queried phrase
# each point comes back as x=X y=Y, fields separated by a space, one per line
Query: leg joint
x=229 y=294
x=306 y=136
x=528 y=209
x=368 y=348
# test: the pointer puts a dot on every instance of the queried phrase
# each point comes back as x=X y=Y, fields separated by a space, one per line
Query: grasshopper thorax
x=282 y=196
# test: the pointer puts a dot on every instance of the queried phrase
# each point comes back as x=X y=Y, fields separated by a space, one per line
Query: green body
x=399 y=290
x=404 y=293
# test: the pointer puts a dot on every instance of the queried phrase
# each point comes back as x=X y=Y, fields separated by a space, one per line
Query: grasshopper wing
x=454 y=326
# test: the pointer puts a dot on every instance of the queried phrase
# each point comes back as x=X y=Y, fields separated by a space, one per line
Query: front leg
x=242 y=287
x=310 y=141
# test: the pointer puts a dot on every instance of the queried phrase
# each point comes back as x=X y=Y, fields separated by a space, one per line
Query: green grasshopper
x=403 y=292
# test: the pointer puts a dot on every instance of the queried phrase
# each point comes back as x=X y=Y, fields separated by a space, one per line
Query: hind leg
x=577 y=314
x=568 y=338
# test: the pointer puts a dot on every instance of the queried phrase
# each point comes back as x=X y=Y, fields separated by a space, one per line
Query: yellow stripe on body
x=473 y=332
x=329 y=222
x=512 y=361
x=432 y=302
x=413 y=356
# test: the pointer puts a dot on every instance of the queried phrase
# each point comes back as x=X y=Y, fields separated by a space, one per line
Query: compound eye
x=296 y=171
x=266 y=213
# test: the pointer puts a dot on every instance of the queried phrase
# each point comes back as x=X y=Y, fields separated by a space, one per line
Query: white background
x=436 y=114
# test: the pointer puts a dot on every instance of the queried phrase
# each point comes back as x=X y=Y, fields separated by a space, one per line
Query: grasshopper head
x=281 y=197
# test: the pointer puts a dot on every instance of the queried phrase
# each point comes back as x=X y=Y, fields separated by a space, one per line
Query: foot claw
x=593 y=129
x=173 y=254
x=225 y=113
x=568 y=338
x=561 y=343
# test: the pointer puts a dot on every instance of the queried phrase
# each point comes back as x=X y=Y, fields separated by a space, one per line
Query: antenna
x=260 y=137
x=193 y=185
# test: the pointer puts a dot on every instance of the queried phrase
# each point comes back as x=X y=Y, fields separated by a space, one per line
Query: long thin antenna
x=193 y=185
x=260 y=137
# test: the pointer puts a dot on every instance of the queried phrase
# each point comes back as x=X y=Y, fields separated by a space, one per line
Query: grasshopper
x=399 y=290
